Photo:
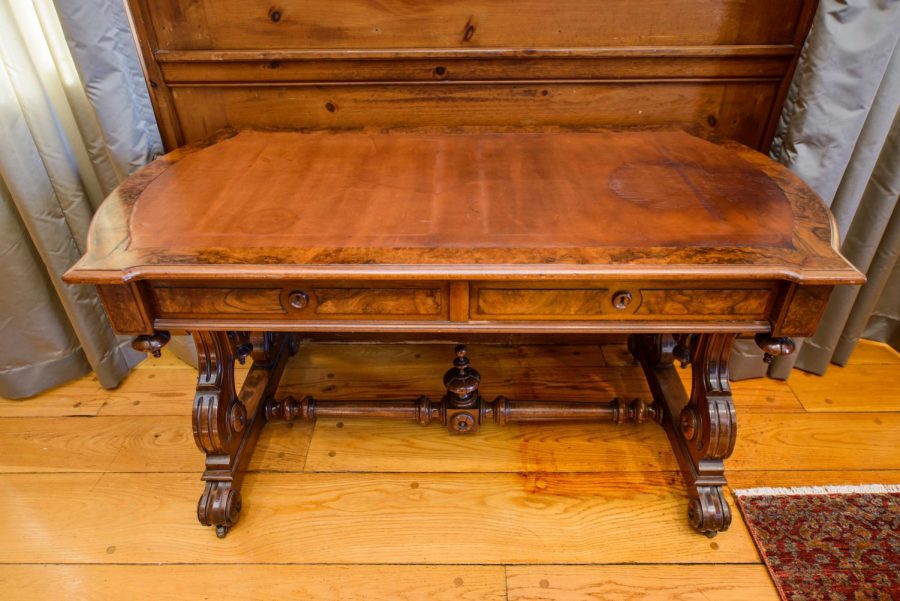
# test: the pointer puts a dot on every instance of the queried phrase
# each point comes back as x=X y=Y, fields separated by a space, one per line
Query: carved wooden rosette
x=702 y=428
x=226 y=424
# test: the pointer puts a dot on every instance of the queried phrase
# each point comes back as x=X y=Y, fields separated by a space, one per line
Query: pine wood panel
x=869 y=351
x=373 y=446
x=367 y=66
x=817 y=441
x=58 y=517
x=153 y=443
x=797 y=476
x=271 y=582
x=863 y=387
x=235 y=24
x=757 y=395
x=360 y=518
x=375 y=43
x=132 y=444
x=732 y=110
x=649 y=583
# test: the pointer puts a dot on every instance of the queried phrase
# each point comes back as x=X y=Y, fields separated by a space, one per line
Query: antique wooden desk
x=257 y=237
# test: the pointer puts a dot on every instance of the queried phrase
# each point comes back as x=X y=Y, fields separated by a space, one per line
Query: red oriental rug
x=827 y=543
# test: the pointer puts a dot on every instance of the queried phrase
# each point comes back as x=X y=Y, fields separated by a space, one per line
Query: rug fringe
x=820 y=490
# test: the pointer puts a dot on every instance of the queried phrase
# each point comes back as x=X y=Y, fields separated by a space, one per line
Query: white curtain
x=75 y=120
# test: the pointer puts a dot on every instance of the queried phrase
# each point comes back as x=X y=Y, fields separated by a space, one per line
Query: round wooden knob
x=298 y=299
x=621 y=299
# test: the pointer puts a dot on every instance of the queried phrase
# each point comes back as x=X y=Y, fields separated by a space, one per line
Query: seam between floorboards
x=448 y=473
x=288 y=563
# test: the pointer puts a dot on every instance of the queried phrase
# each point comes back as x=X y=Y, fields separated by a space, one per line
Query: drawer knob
x=621 y=299
x=298 y=299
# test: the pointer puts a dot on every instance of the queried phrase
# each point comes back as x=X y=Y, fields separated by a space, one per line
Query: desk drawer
x=581 y=301
x=304 y=301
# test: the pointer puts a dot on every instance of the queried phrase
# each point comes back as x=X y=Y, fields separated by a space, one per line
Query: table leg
x=701 y=427
x=226 y=423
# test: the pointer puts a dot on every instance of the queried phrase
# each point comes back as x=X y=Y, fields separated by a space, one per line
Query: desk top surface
x=560 y=204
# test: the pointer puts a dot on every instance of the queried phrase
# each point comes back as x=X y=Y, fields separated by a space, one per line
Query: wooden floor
x=98 y=488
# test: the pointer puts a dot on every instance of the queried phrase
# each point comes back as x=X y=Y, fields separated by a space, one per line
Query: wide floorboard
x=98 y=488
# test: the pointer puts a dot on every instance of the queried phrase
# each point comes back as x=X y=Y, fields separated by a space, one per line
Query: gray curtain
x=840 y=132
x=75 y=119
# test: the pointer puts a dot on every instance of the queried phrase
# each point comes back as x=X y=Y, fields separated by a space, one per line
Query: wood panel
x=274 y=583
x=183 y=300
x=360 y=518
x=797 y=476
x=500 y=303
x=861 y=387
x=181 y=68
x=649 y=583
x=731 y=110
x=237 y=24
x=186 y=42
x=132 y=444
x=376 y=302
x=124 y=309
x=778 y=441
x=131 y=521
x=752 y=302
x=803 y=306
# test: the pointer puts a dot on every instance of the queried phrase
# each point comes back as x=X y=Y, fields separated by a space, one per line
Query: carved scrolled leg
x=701 y=427
x=226 y=424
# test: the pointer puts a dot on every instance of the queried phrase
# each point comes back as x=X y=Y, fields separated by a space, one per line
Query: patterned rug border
x=860 y=489
x=878 y=489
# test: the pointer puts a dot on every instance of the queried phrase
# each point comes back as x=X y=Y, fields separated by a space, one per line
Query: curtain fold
x=840 y=132
x=56 y=167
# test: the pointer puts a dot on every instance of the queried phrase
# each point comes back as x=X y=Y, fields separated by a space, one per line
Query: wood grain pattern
x=252 y=46
x=379 y=302
x=801 y=313
x=797 y=476
x=132 y=444
x=499 y=303
x=730 y=110
x=124 y=309
x=360 y=518
x=276 y=583
x=748 y=302
x=870 y=352
x=818 y=441
x=180 y=24
x=419 y=234
x=44 y=522
x=860 y=388
x=651 y=583
x=214 y=301
x=601 y=65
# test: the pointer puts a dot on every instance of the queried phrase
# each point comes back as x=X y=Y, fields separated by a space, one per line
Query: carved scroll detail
x=219 y=415
x=702 y=428
x=711 y=396
x=223 y=427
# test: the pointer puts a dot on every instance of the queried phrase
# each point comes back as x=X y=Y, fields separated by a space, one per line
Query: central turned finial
x=462 y=380
x=462 y=398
